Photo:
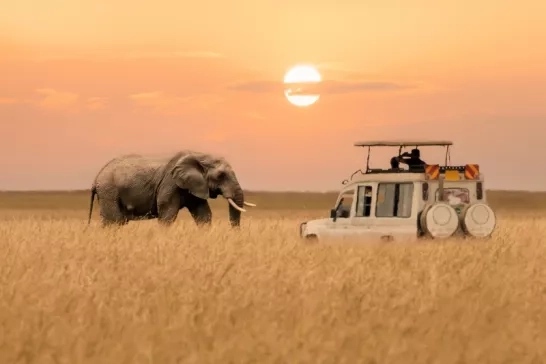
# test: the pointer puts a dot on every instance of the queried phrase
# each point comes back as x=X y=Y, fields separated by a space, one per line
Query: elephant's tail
x=93 y=193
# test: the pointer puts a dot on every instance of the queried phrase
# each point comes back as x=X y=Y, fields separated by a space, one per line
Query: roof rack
x=404 y=143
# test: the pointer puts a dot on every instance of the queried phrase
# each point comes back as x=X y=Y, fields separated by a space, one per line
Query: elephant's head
x=204 y=176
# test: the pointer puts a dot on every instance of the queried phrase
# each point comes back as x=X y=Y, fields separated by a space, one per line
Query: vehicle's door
x=362 y=221
x=394 y=210
x=346 y=206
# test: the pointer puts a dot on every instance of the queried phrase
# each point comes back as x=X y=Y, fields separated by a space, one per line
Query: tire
x=478 y=220
x=439 y=220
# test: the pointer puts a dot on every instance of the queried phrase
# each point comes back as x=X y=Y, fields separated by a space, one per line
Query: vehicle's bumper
x=302 y=227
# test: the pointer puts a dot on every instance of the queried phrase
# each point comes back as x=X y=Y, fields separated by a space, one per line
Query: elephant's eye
x=221 y=175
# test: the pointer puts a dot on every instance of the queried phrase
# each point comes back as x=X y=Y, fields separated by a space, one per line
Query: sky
x=84 y=81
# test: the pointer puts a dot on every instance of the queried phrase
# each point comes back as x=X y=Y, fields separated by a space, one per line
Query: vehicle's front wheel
x=311 y=239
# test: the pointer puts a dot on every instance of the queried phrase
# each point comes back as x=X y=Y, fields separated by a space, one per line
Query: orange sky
x=84 y=81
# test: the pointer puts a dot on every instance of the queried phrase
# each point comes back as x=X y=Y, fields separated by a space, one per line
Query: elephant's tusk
x=235 y=205
x=249 y=204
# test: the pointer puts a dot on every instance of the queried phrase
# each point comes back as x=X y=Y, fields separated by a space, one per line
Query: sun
x=301 y=74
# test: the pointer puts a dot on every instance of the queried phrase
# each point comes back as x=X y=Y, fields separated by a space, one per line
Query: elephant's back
x=124 y=170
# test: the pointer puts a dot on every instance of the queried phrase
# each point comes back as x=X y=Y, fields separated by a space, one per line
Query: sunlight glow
x=301 y=74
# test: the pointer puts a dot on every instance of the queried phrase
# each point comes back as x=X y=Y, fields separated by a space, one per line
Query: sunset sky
x=84 y=81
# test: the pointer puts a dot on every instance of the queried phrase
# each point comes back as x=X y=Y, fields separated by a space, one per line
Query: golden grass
x=145 y=294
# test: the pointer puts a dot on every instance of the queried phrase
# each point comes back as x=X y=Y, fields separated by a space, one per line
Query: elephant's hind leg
x=200 y=211
x=111 y=214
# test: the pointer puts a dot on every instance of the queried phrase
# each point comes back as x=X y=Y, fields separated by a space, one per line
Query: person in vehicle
x=413 y=160
x=395 y=164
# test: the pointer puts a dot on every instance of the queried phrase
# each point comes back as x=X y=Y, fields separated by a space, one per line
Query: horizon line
x=247 y=191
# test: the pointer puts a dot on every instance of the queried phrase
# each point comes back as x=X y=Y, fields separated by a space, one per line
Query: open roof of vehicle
x=403 y=143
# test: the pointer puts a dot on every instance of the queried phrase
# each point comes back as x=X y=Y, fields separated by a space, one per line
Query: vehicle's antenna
x=368 y=159
x=448 y=157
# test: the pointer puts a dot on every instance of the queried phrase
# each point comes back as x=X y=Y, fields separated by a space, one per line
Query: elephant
x=139 y=187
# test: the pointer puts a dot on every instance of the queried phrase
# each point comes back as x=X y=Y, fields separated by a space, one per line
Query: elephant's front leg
x=200 y=211
x=167 y=208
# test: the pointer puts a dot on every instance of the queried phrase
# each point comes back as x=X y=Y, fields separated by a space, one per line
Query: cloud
x=257 y=86
x=64 y=101
x=7 y=101
x=96 y=103
x=174 y=54
x=58 y=100
x=340 y=70
x=123 y=54
x=164 y=103
x=324 y=87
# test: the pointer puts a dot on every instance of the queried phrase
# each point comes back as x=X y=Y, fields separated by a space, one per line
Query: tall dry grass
x=146 y=294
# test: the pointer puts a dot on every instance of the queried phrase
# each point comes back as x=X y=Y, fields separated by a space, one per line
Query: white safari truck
x=435 y=201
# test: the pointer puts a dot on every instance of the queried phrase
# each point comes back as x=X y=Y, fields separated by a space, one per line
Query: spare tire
x=439 y=220
x=478 y=220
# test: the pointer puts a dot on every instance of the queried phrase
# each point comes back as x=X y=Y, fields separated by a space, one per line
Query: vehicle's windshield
x=344 y=209
x=455 y=195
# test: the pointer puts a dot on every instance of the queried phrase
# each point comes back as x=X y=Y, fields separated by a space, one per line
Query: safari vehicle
x=438 y=201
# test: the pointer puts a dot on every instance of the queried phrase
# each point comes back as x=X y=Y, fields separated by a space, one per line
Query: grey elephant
x=137 y=187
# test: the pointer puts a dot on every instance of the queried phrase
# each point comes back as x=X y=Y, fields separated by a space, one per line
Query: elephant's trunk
x=234 y=214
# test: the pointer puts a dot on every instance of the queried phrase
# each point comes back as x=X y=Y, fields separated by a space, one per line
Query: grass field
x=146 y=294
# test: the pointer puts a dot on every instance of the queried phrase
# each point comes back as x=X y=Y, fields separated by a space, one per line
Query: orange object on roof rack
x=432 y=171
x=471 y=171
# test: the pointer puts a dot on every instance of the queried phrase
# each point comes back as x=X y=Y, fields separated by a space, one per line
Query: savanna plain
x=72 y=293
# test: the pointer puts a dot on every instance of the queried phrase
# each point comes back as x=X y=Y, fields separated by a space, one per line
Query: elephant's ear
x=188 y=173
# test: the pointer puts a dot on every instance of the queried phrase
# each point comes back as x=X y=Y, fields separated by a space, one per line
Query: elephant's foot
x=113 y=223
x=166 y=220
x=203 y=222
x=202 y=216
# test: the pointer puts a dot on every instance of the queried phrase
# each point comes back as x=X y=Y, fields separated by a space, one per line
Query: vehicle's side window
x=394 y=200
x=364 y=201
x=344 y=209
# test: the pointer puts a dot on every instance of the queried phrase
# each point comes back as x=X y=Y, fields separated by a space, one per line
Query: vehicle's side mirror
x=333 y=214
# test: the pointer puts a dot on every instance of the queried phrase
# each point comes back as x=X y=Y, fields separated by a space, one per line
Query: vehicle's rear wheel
x=478 y=220
x=420 y=232
x=439 y=220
